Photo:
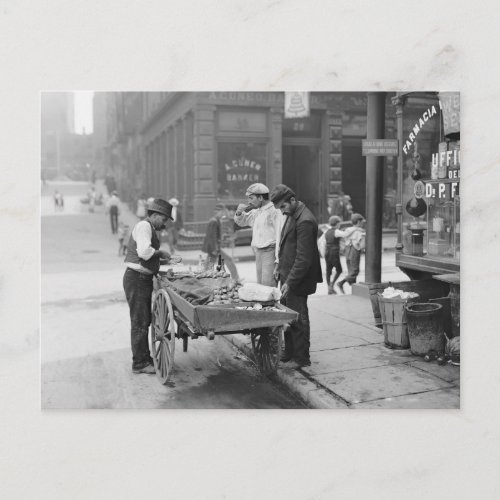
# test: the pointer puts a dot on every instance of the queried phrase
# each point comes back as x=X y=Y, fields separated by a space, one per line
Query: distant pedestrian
x=266 y=222
x=123 y=236
x=299 y=270
x=58 y=201
x=174 y=226
x=212 y=243
x=113 y=207
x=92 y=197
x=355 y=243
x=141 y=211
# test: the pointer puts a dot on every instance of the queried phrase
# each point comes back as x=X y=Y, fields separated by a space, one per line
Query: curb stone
x=312 y=394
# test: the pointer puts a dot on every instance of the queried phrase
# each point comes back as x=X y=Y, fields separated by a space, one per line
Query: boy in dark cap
x=332 y=239
x=299 y=269
x=143 y=262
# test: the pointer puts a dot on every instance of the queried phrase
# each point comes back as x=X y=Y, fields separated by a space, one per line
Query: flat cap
x=161 y=206
x=334 y=219
x=355 y=218
x=220 y=206
x=257 y=188
x=280 y=193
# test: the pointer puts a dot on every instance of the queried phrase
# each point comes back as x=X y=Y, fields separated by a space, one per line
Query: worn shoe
x=149 y=369
x=285 y=358
x=331 y=291
x=341 y=287
x=301 y=364
x=296 y=365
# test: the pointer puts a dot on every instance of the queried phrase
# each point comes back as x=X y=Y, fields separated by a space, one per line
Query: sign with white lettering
x=240 y=164
x=379 y=147
x=442 y=190
x=450 y=106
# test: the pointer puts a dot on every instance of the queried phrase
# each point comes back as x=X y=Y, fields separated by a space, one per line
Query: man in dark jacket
x=299 y=269
x=212 y=243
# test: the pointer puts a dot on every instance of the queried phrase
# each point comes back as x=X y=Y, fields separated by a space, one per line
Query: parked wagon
x=174 y=317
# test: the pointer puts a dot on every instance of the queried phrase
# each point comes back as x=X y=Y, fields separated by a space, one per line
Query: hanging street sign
x=379 y=147
x=297 y=105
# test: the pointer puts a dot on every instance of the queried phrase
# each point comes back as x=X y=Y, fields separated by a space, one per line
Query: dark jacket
x=299 y=264
x=211 y=244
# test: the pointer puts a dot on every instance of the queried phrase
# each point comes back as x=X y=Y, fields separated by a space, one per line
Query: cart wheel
x=163 y=328
x=267 y=349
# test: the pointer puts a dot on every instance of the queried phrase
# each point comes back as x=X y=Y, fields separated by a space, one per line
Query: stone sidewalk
x=352 y=368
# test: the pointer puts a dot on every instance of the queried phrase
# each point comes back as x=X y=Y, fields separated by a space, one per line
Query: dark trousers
x=113 y=215
x=138 y=290
x=298 y=334
x=332 y=260
x=353 y=257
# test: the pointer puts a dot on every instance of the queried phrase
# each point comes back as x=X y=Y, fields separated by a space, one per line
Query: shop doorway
x=354 y=173
x=301 y=167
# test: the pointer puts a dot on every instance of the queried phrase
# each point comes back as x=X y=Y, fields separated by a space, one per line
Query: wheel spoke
x=267 y=349
x=163 y=337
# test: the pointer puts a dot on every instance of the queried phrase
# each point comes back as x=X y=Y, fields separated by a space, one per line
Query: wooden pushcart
x=173 y=317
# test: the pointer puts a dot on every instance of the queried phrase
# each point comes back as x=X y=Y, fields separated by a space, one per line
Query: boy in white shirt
x=266 y=222
x=354 y=245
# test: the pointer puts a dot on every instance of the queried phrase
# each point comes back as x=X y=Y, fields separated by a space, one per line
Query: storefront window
x=431 y=178
x=239 y=165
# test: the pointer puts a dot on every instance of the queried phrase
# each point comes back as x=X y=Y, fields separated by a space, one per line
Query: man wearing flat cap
x=266 y=222
x=299 y=270
x=143 y=262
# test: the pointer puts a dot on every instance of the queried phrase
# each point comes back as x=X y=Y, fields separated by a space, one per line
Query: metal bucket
x=425 y=327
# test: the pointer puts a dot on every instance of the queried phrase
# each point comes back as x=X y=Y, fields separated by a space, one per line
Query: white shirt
x=355 y=237
x=114 y=201
x=267 y=222
x=142 y=235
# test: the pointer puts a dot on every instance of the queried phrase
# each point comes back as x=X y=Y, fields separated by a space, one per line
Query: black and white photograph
x=239 y=258
x=247 y=250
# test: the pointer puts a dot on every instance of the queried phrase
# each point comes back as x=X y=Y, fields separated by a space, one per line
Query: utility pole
x=374 y=189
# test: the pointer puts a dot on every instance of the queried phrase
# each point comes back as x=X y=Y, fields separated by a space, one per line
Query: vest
x=153 y=264
x=332 y=243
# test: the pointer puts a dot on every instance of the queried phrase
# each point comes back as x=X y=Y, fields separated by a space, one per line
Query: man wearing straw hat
x=143 y=262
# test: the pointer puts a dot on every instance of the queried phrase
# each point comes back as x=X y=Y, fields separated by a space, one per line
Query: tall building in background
x=100 y=134
x=63 y=153
x=118 y=118
x=58 y=112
